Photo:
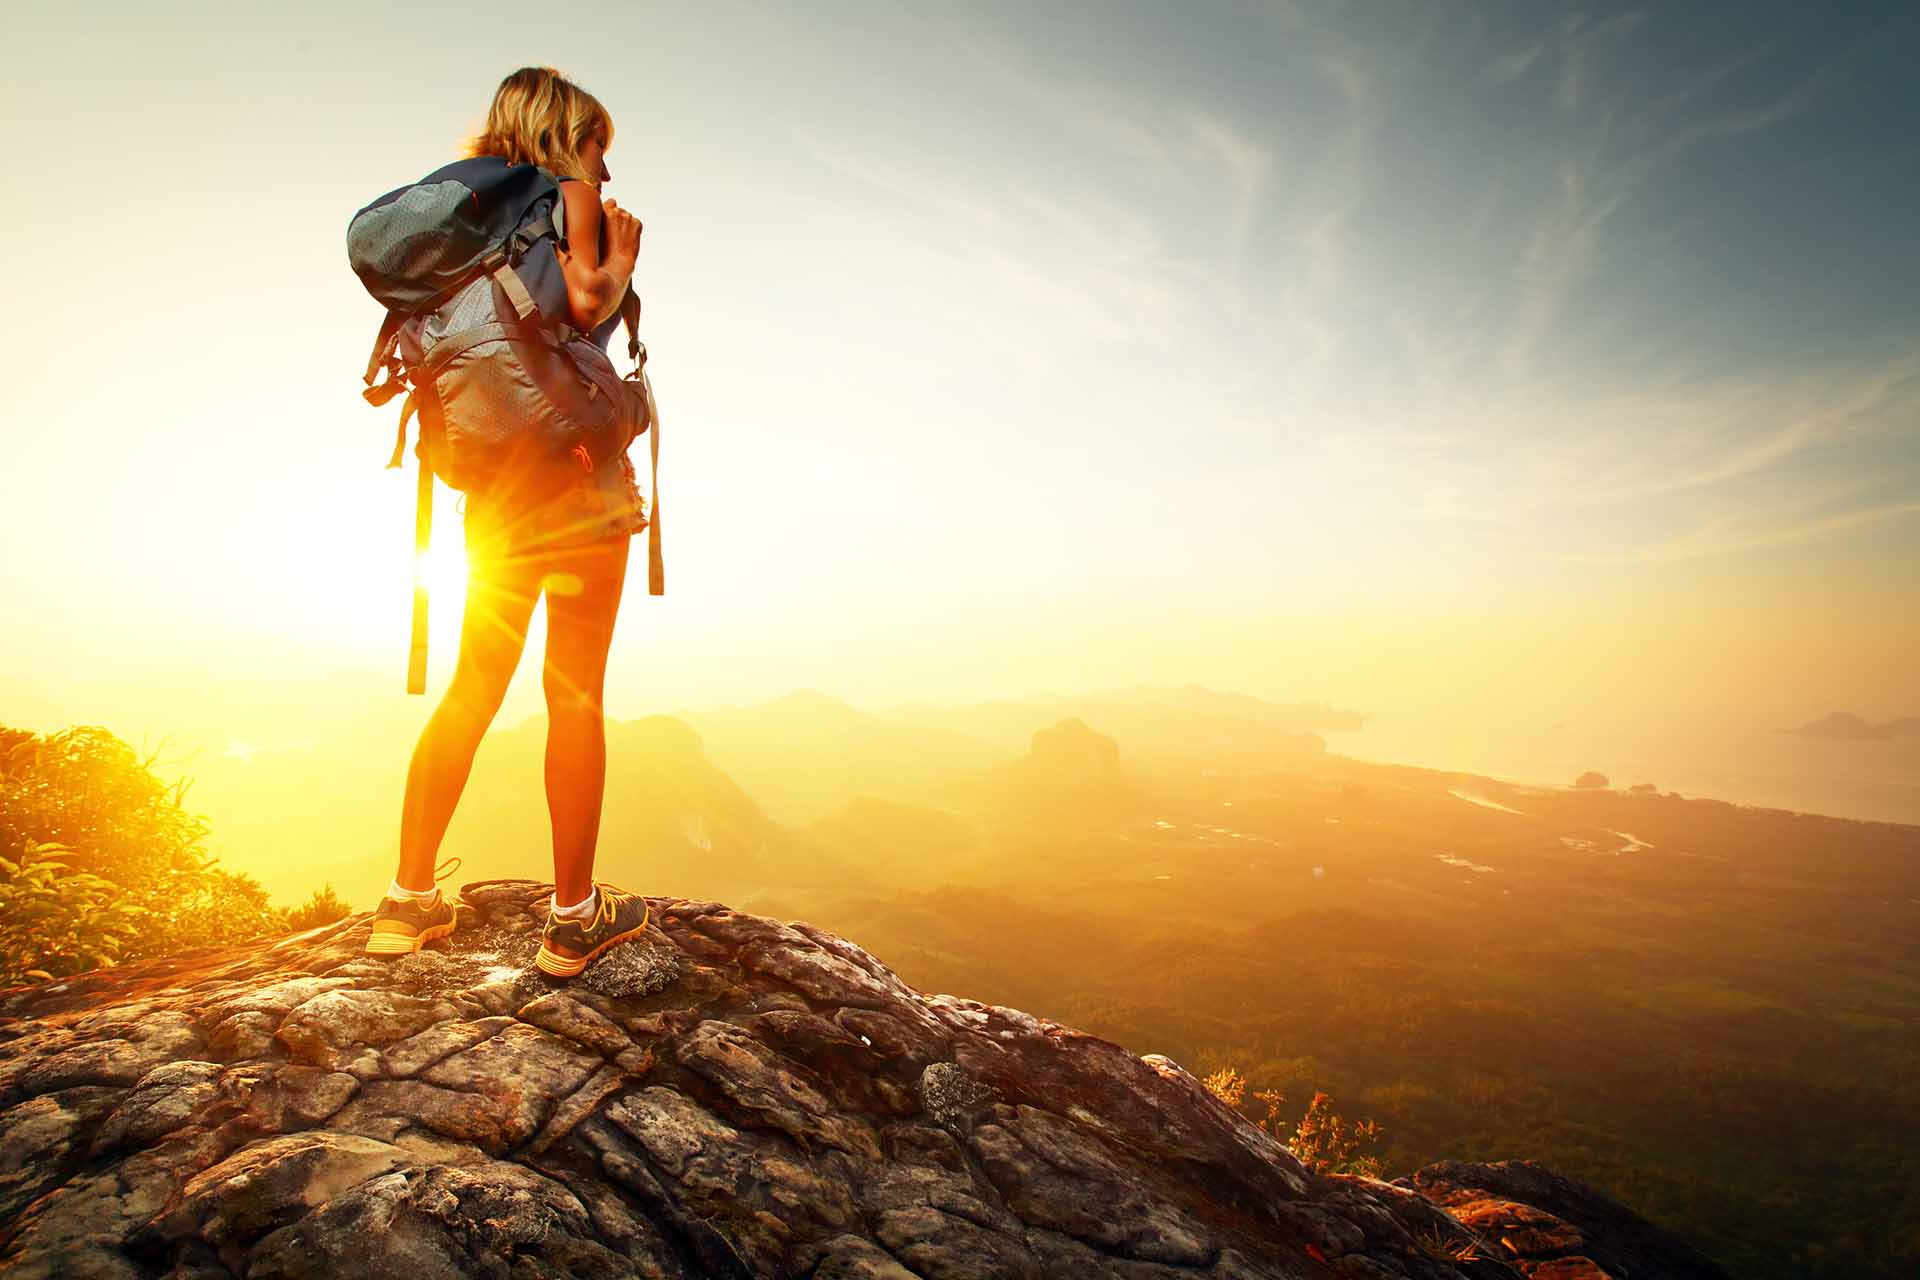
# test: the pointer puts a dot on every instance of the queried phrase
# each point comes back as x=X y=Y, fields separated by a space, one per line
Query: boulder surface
x=729 y=1096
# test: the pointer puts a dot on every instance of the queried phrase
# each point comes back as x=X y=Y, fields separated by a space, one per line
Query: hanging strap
x=384 y=345
x=422 y=537
x=630 y=316
x=400 y=437
x=656 y=567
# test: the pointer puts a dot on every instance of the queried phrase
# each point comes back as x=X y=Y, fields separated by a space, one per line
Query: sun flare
x=444 y=569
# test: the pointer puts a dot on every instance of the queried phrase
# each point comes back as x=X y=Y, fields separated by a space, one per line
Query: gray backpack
x=479 y=334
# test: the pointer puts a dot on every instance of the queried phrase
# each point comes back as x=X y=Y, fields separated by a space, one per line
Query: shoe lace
x=451 y=864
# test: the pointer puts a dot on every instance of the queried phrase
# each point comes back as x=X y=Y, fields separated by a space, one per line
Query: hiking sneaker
x=568 y=946
x=402 y=926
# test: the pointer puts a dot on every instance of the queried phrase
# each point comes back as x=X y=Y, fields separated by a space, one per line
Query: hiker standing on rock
x=524 y=541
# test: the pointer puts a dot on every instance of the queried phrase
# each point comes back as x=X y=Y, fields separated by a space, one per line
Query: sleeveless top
x=600 y=504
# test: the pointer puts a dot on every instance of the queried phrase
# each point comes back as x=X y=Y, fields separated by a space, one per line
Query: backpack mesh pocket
x=513 y=398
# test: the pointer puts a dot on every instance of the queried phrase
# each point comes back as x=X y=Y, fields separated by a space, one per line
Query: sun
x=444 y=568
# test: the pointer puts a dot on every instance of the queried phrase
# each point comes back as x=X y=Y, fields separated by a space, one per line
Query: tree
x=324 y=907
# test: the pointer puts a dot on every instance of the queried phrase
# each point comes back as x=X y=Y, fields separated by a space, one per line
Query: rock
x=298 y=1097
x=728 y=1097
x=1053 y=1173
x=42 y=1140
x=521 y=1074
x=768 y=1089
x=567 y=1017
x=1557 y=1228
x=158 y=1038
x=164 y=1099
x=337 y=1028
x=496 y=1218
x=274 y=998
x=243 y=1035
x=418 y=1052
x=853 y=1258
x=270 y=1183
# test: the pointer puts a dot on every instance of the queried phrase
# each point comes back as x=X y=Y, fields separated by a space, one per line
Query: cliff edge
x=728 y=1097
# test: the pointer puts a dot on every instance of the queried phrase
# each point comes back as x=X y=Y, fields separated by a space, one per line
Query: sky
x=1492 y=368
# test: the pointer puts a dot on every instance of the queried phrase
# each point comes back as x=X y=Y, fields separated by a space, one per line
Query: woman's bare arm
x=596 y=283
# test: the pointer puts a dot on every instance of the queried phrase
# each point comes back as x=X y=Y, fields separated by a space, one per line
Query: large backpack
x=479 y=334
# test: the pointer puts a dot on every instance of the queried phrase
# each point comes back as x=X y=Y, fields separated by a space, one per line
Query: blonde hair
x=540 y=117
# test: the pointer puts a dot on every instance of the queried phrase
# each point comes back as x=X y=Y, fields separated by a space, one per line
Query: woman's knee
x=575 y=691
x=481 y=676
x=477 y=696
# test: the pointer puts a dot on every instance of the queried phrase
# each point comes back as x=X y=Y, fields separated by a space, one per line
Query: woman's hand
x=623 y=231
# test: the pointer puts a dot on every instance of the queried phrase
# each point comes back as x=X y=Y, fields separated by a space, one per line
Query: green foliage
x=104 y=864
x=55 y=920
x=85 y=789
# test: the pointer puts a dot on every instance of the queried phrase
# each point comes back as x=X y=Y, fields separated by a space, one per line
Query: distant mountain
x=808 y=755
x=1071 y=753
x=1188 y=725
x=671 y=819
x=1844 y=726
x=1070 y=779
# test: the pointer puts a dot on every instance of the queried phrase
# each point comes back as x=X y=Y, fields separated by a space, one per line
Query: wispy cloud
x=1245 y=163
x=1512 y=66
x=1580 y=43
x=1719 y=537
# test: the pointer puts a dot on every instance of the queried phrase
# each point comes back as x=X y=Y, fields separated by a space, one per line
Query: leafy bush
x=86 y=790
x=1323 y=1140
x=103 y=863
x=55 y=920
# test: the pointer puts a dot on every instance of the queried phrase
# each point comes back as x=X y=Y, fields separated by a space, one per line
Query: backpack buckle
x=385 y=391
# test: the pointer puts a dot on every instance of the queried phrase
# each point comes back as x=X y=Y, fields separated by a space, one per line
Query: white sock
x=581 y=910
x=396 y=890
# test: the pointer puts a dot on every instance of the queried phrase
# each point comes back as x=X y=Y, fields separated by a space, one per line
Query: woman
x=571 y=547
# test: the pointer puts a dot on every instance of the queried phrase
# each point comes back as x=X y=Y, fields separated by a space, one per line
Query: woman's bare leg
x=583 y=598
x=500 y=601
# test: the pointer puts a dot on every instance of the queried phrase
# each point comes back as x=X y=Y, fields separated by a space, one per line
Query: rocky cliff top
x=728 y=1097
